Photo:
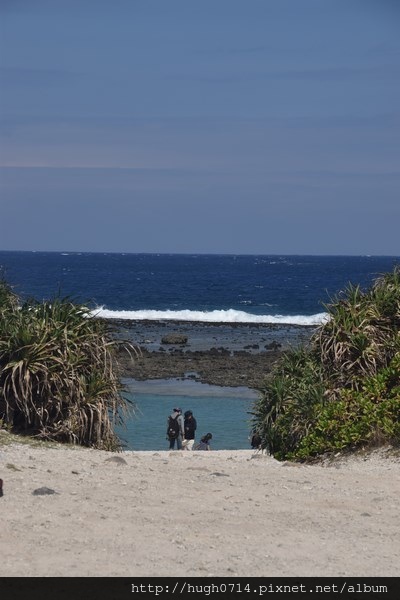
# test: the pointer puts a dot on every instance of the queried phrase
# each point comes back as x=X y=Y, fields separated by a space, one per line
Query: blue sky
x=220 y=126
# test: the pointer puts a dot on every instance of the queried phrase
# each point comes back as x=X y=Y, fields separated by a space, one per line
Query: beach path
x=185 y=514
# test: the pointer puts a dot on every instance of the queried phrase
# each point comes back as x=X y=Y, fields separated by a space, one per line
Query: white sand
x=221 y=513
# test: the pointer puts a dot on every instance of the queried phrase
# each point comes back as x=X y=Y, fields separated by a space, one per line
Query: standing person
x=204 y=442
x=255 y=441
x=190 y=426
x=175 y=429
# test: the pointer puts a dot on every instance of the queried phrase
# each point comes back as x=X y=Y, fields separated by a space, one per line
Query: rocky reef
x=218 y=353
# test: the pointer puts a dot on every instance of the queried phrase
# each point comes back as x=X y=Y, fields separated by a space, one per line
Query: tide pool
x=222 y=411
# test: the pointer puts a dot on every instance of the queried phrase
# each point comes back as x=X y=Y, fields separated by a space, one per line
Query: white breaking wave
x=214 y=316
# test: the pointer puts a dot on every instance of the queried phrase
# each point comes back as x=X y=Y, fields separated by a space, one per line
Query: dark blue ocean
x=208 y=288
x=193 y=287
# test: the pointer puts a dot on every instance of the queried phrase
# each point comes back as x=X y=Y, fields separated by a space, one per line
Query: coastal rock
x=174 y=338
x=273 y=346
x=43 y=491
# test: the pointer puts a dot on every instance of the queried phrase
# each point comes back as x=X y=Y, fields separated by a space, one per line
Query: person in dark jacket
x=255 y=441
x=190 y=427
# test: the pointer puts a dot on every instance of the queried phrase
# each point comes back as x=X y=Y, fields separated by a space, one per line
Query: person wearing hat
x=175 y=429
x=190 y=427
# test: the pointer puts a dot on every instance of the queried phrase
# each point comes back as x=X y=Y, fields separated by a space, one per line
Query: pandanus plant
x=343 y=390
x=361 y=335
x=59 y=377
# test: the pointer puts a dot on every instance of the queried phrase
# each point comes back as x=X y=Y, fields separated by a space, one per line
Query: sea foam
x=214 y=316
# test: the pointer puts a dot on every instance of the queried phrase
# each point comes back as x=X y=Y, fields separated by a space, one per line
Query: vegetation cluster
x=341 y=391
x=59 y=377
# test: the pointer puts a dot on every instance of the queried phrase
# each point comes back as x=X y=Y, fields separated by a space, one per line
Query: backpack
x=173 y=428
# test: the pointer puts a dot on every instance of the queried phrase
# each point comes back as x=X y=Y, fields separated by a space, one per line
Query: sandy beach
x=207 y=514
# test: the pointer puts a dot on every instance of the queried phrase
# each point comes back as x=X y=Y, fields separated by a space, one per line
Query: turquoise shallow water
x=223 y=411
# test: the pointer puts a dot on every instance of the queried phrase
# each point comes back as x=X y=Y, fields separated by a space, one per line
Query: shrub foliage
x=342 y=391
x=59 y=378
